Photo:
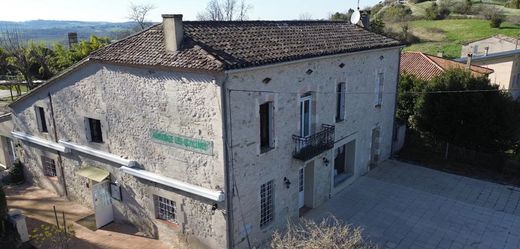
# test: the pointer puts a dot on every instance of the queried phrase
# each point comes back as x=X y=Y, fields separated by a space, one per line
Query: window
x=49 y=166
x=40 y=118
x=266 y=126
x=266 y=203
x=379 y=89
x=165 y=209
x=340 y=102
x=305 y=115
x=94 y=130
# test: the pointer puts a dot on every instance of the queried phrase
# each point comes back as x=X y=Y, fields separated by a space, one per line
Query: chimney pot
x=470 y=58
x=173 y=31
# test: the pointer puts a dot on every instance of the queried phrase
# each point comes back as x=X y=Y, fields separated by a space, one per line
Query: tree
x=469 y=112
x=377 y=26
x=40 y=56
x=225 y=10
x=138 y=12
x=64 y=57
x=305 y=16
x=407 y=94
x=342 y=16
x=494 y=14
x=514 y=4
x=19 y=56
x=329 y=233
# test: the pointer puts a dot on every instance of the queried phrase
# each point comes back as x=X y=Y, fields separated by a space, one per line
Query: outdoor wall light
x=342 y=65
x=326 y=162
x=309 y=71
x=266 y=80
x=287 y=182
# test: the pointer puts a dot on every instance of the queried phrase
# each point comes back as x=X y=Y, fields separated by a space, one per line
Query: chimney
x=173 y=32
x=440 y=54
x=470 y=58
x=486 y=51
x=365 y=19
x=73 y=38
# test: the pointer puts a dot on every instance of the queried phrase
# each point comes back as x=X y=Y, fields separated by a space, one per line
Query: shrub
x=377 y=26
x=514 y=4
x=395 y=12
x=496 y=21
x=16 y=175
x=329 y=233
x=52 y=237
x=436 y=12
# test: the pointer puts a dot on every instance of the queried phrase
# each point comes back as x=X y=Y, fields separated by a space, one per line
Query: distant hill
x=50 y=31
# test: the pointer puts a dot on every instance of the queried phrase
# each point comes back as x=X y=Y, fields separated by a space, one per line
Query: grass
x=449 y=35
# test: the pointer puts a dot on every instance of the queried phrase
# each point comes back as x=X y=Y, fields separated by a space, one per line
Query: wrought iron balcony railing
x=308 y=147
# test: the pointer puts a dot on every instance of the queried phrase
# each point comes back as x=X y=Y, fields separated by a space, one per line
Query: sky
x=117 y=10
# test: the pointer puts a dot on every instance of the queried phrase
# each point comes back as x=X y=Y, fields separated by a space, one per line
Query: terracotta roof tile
x=218 y=46
x=426 y=66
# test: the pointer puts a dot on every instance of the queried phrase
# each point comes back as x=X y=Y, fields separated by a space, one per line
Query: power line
x=374 y=93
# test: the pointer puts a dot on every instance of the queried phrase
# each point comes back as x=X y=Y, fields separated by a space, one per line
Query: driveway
x=37 y=204
x=405 y=206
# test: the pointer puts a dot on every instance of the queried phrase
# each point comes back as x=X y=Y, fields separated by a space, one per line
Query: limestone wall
x=288 y=82
x=130 y=102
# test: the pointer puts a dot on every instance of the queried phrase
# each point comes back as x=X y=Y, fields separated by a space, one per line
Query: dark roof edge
x=317 y=57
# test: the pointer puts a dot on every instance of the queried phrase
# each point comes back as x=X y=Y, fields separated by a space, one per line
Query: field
x=449 y=35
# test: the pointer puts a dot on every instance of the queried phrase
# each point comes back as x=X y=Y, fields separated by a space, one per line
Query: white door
x=102 y=203
x=305 y=116
x=301 y=188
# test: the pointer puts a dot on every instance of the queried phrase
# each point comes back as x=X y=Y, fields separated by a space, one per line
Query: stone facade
x=130 y=102
x=251 y=168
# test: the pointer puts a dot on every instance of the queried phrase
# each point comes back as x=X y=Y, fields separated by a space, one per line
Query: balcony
x=308 y=147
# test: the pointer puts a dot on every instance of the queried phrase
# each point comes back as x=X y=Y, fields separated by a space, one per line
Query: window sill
x=265 y=150
x=169 y=224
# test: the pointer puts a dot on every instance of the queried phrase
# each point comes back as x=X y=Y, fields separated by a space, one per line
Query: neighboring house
x=500 y=53
x=8 y=150
x=214 y=133
x=426 y=66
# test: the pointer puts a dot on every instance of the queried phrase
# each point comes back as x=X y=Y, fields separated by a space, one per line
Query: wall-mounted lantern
x=309 y=72
x=326 y=161
x=287 y=182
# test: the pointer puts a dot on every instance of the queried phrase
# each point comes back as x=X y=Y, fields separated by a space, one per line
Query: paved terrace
x=405 y=206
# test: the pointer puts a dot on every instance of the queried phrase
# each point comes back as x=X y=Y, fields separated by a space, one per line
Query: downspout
x=56 y=140
x=227 y=165
x=394 y=130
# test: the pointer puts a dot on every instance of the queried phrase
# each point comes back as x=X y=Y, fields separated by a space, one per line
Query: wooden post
x=56 y=216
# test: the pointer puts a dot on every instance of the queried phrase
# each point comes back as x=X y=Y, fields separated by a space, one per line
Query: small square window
x=165 y=209
x=49 y=166
x=94 y=130
x=266 y=203
x=40 y=118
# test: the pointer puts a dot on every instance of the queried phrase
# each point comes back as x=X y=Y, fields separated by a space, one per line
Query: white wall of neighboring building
x=494 y=45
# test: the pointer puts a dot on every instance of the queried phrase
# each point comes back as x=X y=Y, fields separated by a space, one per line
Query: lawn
x=449 y=35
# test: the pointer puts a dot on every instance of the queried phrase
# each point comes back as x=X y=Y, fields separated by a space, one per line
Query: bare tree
x=138 y=13
x=19 y=55
x=305 y=16
x=225 y=10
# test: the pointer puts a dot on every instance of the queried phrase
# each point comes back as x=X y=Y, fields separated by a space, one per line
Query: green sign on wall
x=182 y=142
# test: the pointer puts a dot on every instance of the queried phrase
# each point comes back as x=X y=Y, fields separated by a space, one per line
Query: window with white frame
x=49 y=166
x=379 y=89
x=340 y=101
x=165 y=209
x=266 y=127
x=266 y=203
x=93 y=130
x=40 y=118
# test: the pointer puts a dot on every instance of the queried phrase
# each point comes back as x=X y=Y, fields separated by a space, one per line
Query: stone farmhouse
x=213 y=133
x=500 y=53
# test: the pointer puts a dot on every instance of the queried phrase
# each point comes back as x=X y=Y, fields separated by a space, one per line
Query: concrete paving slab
x=400 y=205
